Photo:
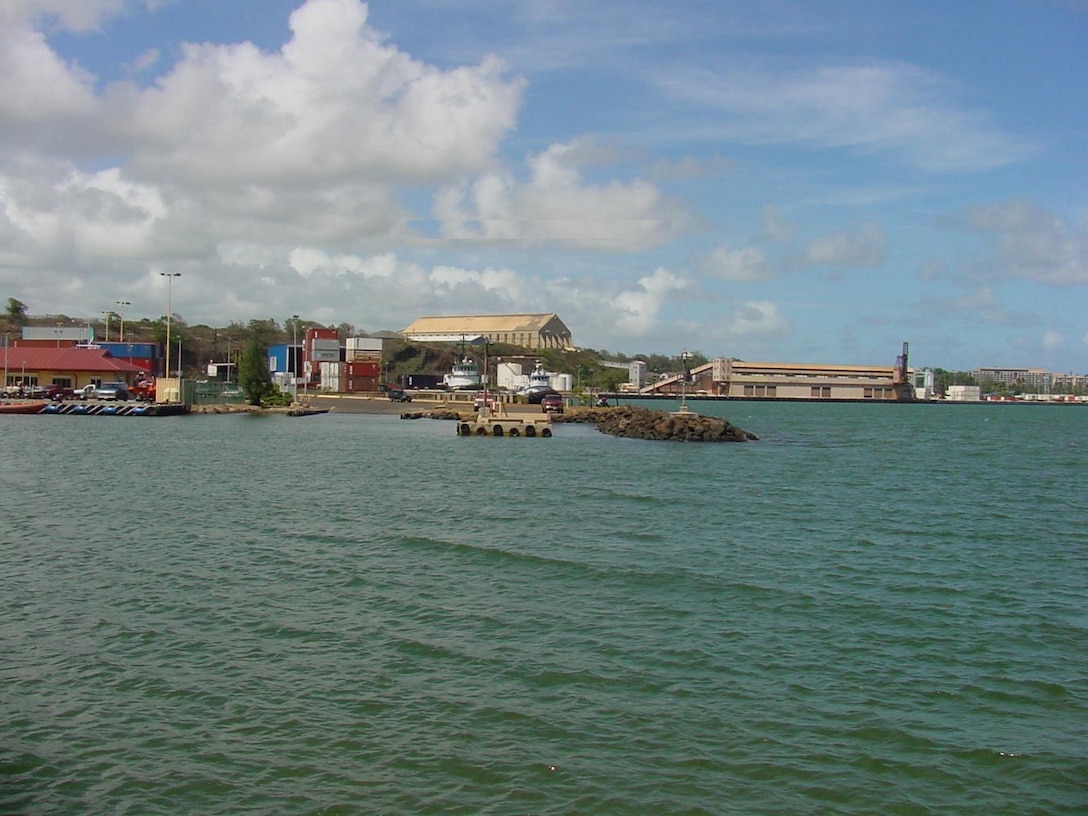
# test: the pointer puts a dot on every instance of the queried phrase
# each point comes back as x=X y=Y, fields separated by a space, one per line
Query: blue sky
x=792 y=181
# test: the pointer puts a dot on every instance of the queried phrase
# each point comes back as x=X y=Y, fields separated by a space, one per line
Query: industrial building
x=532 y=331
x=726 y=377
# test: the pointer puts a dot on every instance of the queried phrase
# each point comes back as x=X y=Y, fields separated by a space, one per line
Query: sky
x=772 y=180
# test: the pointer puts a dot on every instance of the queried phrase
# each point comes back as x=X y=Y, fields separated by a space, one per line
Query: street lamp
x=122 y=304
x=293 y=359
x=169 y=311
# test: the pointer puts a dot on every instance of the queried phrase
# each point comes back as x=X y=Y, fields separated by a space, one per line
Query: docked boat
x=539 y=382
x=22 y=407
x=464 y=376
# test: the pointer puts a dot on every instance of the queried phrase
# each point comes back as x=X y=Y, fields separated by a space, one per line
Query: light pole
x=169 y=312
x=685 y=355
x=122 y=304
x=293 y=358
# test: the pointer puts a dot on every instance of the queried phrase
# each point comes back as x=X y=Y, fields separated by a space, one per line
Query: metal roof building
x=534 y=331
x=68 y=366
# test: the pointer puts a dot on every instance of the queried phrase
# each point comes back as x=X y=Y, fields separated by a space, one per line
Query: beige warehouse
x=534 y=331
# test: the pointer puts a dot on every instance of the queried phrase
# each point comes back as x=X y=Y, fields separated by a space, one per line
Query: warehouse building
x=532 y=331
x=725 y=377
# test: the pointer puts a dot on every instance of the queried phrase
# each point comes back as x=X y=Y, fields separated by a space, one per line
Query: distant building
x=925 y=385
x=739 y=379
x=1014 y=377
x=964 y=393
x=533 y=331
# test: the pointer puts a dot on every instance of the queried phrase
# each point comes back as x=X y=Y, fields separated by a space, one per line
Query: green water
x=874 y=609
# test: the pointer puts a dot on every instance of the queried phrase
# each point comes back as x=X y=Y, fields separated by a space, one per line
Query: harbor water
x=874 y=609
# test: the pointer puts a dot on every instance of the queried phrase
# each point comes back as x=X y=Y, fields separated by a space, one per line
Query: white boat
x=465 y=375
x=539 y=382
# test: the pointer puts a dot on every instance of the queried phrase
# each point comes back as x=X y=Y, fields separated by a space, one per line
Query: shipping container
x=362 y=356
x=355 y=385
x=361 y=369
x=371 y=344
x=123 y=351
x=422 y=380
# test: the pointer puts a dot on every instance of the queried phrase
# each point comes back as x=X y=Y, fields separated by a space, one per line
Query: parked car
x=399 y=395
x=552 y=403
x=106 y=391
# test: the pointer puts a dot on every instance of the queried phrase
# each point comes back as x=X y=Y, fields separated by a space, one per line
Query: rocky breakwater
x=642 y=423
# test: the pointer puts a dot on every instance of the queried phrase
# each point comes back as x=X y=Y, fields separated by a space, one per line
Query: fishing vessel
x=539 y=382
x=465 y=375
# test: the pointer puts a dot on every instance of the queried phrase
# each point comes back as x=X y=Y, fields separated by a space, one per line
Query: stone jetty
x=629 y=422
x=643 y=423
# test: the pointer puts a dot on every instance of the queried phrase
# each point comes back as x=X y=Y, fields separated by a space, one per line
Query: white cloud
x=888 y=107
x=861 y=248
x=557 y=206
x=776 y=226
x=1052 y=340
x=335 y=103
x=745 y=264
x=73 y=15
x=144 y=61
x=756 y=318
x=637 y=310
x=311 y=261
x=231 y=146
x=1033 y=244
x=690 y=168
x=982 y=305
x=36 y=86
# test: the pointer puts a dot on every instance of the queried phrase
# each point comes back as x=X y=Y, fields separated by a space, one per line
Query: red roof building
x=66 y=366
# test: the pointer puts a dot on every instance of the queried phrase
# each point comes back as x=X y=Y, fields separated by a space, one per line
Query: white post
x=122 y=304
x=293 y=358
x=169 y=313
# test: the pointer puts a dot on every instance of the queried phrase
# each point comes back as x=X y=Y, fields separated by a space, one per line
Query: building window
x=821 y=392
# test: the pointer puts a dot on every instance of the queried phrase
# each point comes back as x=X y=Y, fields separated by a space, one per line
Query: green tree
x=16 y=310
x=253 y=374
x=265 y=332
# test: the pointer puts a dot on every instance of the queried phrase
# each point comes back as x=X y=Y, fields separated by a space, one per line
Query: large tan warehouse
x=533 y=331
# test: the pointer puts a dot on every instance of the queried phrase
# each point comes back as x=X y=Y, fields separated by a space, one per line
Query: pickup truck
x=58 y=392
x=105 y=391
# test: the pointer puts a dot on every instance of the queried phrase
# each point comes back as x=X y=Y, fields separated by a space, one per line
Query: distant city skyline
x=785 y=180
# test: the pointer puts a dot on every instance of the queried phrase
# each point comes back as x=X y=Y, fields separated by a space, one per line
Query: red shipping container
x=355 y=385
x=367 y=369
